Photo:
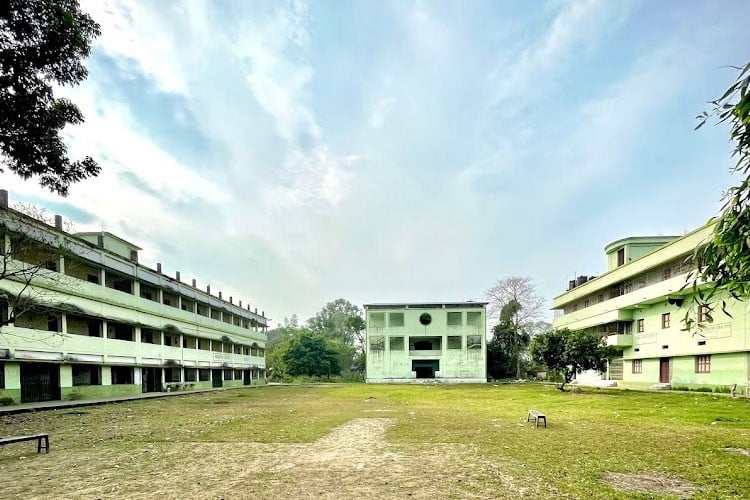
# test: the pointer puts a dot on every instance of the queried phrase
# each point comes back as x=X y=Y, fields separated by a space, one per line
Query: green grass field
x=346 y=441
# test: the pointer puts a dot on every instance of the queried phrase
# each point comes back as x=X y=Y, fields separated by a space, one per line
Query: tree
x=42 y=43
x=515 y=301
x=30 y=257
x=523 y=292
x=724 y=262
x=570 y=352
x=340 y=320
x=310 y=354
x=507 y=343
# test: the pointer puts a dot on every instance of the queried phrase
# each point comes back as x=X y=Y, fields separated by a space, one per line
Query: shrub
x=6 y=401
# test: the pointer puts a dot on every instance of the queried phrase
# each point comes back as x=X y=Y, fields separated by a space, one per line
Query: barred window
x=703 y=363
x=637 y=366
x=665 y=320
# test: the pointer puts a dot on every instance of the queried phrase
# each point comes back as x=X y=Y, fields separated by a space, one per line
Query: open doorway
x=425 y=368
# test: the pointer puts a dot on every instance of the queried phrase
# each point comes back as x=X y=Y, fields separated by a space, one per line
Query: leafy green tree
x=504 y=350
x=42 y=43
x=340 y=320
x=310 y=354
x=570 y=352
x=724 y=262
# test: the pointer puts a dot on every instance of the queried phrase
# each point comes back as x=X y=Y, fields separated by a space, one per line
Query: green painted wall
x=462 y=363
x=98 y=391
x=14 y=394
x=726 y=369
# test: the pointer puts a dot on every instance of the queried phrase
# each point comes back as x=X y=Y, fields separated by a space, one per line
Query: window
x=122 y=375
x=191 y=374
x=474 y=319
x=455 y=319
x=228 y=374
x=703 y=363
x=377 y=320
x=204 y=344
x=640 y=326
x=600 y=299
x=666 y=274
x=396 y=343
x=454 y=342
x=188 y=342
x=204 y=374
x=665 y=320
x=377 y=343
x=86 y=375
x=395 y=319
x=53 y=323
x=120 y=331
x=704 y=314
x=149 y=336
x=473 y=341
x=637 y=366
x=620 y=257
x=238 y=374
x=586 y=303
x=172 y=374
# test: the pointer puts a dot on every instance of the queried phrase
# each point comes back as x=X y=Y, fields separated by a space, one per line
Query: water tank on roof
x=571 y=284
x=581 y=280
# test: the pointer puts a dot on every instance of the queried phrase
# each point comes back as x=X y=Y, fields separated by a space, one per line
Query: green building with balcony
x=639 y=306
x=82 y=319
x=438 y=341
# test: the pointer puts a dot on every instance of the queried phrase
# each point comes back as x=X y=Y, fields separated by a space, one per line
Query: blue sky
x=293 y=153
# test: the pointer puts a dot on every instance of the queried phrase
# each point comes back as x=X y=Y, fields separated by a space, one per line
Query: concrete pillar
x=63 y=323
x=66 y=376
x=106 y=375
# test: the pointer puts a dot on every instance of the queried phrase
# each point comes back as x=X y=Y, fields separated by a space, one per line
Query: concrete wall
x=462 y=364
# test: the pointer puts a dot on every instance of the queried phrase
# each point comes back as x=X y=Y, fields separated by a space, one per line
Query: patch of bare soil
x=737 y=451
x=354 y=460
x=650 y=484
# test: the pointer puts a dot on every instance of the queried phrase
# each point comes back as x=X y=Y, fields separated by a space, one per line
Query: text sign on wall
x=716 y=331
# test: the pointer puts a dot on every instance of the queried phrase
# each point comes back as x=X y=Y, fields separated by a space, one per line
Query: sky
x=292 y=153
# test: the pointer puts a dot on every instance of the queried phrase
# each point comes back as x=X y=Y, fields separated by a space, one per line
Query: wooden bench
x=38 y=437
x=537 y=416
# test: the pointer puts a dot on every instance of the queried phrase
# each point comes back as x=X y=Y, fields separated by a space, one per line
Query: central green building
x=438 y=341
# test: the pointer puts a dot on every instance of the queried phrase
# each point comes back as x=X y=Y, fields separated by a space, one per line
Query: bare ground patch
x=354 y=460
x=650 y=484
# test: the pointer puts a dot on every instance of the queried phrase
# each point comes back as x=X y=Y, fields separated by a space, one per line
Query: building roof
x=639 y=240
x=424 y=305
x=108 y=235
